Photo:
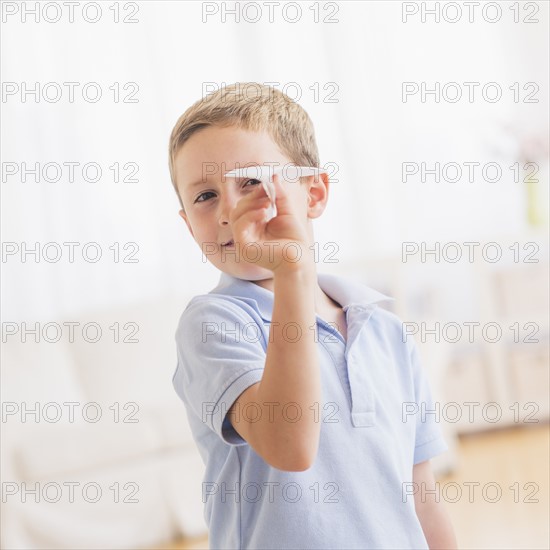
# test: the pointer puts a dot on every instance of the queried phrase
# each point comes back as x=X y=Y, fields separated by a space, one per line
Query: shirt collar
x=347 y=292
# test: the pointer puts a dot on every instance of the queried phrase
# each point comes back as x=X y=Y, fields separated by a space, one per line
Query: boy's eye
x=246 y=182
x=202 y=195
x=257 y=181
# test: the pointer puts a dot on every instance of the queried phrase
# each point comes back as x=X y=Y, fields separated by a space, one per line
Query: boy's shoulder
x=223 y=302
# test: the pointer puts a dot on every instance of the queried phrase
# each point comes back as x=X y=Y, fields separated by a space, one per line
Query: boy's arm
x=433 y=516
x=286 y=433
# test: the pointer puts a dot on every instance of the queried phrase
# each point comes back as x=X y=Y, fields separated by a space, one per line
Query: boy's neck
x=323 y=302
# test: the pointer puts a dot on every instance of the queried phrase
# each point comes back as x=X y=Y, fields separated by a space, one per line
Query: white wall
x=369 y=132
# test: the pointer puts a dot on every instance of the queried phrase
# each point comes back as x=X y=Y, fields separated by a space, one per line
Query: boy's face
x=208 y=197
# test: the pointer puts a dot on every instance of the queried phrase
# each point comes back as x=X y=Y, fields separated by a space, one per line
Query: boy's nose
x=226 y=204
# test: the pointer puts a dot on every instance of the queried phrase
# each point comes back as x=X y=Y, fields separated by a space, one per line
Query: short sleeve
x=220 y=351
x=429 y=440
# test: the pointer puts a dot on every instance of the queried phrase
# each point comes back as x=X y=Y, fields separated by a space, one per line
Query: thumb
x=282 y=199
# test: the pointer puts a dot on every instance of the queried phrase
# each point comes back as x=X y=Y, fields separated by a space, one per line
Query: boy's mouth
x=228 y=243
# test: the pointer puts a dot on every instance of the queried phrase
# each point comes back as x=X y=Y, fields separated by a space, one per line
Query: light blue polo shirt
x=357 y=493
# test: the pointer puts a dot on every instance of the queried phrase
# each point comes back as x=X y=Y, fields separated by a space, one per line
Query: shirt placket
x=363 y=407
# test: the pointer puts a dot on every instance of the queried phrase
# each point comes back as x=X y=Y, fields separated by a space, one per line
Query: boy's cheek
x=189 y=227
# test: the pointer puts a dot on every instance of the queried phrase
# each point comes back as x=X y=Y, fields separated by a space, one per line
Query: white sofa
x=148 y=452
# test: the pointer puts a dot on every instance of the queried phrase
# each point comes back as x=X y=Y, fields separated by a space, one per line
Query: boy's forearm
x=292 y=373
x=437 y=527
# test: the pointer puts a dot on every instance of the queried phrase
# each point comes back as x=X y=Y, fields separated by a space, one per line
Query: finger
x=255 y=199
x=282 y=199
x=250 y=226
x=249 y=205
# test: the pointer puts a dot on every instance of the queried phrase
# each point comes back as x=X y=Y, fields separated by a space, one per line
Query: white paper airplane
x=265 y=174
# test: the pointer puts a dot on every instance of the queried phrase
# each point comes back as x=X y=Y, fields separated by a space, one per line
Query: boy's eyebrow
x=203 y=182
x=196 y=183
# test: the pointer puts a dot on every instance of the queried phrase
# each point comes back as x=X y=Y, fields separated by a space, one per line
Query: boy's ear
x=184 y=216
x=318 y=194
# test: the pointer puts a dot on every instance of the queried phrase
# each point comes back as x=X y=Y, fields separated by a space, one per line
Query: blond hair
x=269 y=110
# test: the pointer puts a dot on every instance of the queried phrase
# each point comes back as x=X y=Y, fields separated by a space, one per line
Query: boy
x=294 y=382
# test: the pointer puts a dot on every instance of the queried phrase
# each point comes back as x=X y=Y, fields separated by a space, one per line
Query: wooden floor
x=516 y=461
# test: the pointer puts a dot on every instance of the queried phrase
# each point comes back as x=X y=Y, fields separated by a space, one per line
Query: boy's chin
x=246 y=271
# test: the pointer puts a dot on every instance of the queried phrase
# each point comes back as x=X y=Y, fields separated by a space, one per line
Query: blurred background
x=432 y=119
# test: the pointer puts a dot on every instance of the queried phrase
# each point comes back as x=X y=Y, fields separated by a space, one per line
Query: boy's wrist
x=300 y=271
x=297 y=259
